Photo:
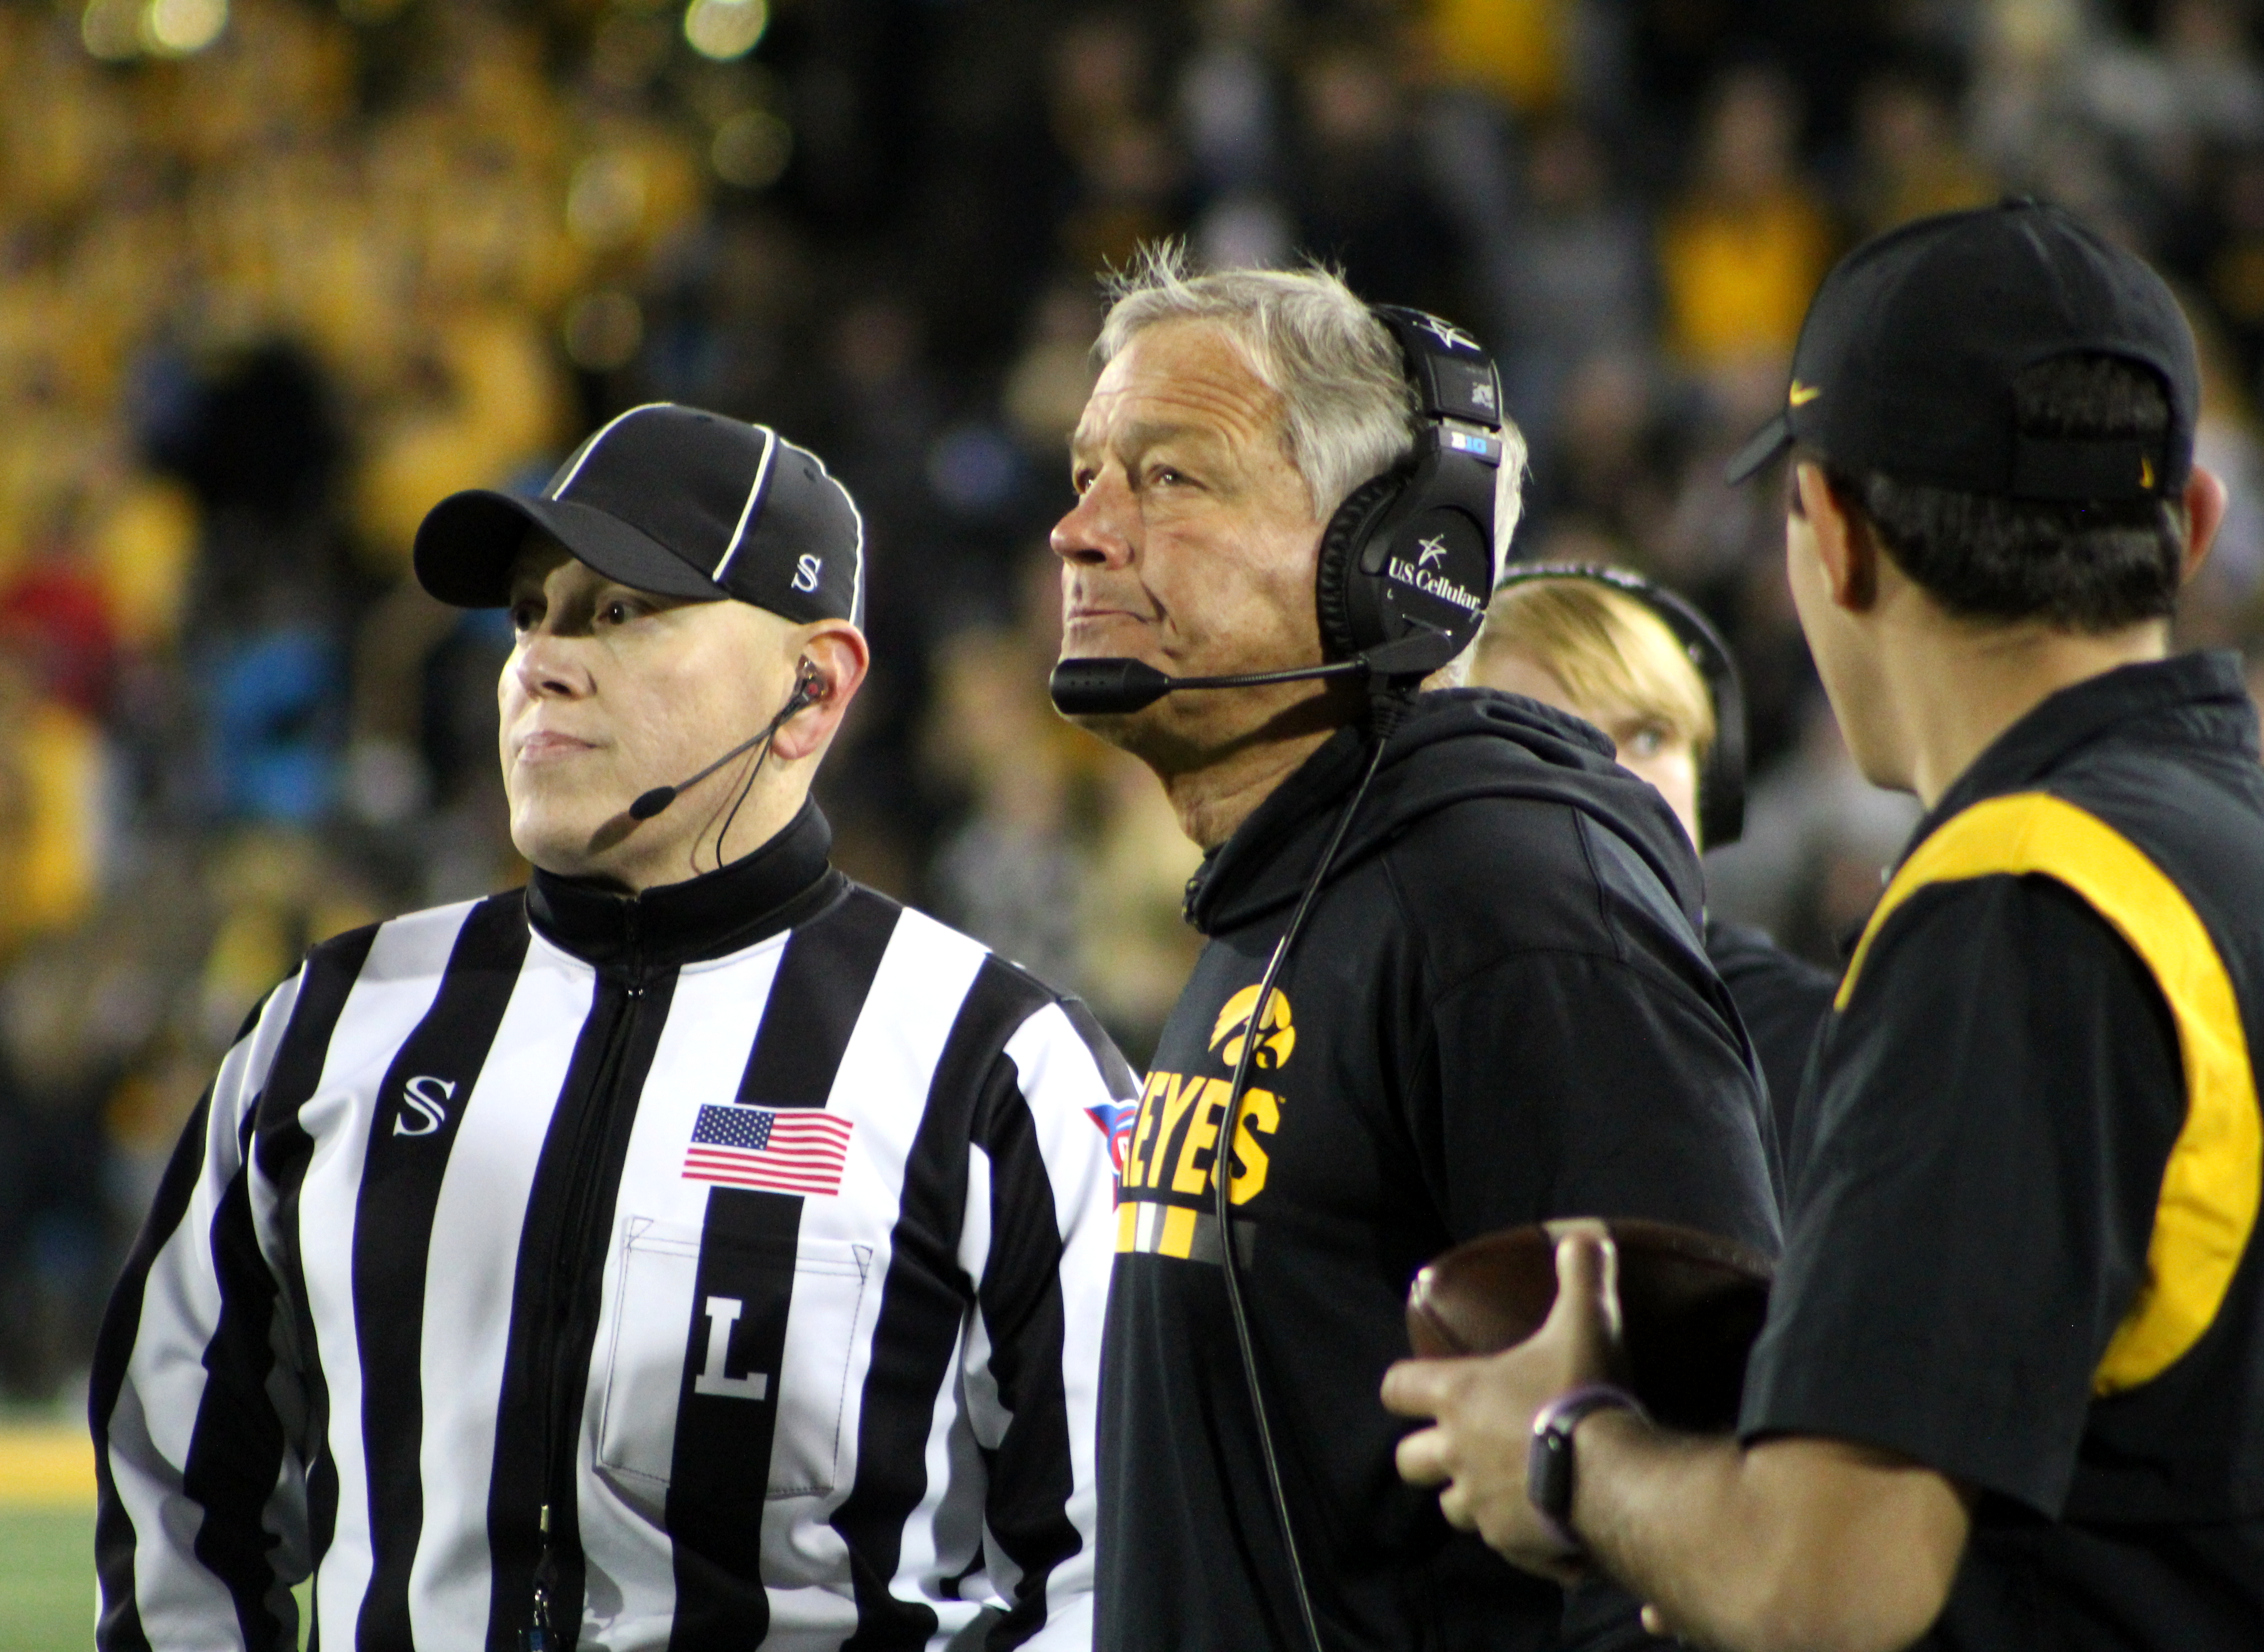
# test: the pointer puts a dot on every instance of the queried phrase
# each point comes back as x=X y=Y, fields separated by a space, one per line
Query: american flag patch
x=793 y=1150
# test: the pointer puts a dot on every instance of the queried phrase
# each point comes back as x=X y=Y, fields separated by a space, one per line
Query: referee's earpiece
x=1410 y=554
x=810 y=688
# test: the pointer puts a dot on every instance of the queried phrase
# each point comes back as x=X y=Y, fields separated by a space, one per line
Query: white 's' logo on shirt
x=427 y=1097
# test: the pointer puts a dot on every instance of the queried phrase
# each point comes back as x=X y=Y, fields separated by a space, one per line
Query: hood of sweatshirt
x=1447 y=748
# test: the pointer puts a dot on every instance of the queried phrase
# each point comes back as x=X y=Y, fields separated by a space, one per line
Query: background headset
x=1722 y=776
x=1406 y=569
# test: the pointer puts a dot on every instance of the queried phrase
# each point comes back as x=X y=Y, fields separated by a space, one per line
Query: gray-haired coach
x=694 y=1251
x=1497 y=1011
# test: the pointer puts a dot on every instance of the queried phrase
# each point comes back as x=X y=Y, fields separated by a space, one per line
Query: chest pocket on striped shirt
x=729 y=1372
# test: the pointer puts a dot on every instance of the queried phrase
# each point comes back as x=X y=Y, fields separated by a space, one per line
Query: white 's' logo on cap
x=806 y=570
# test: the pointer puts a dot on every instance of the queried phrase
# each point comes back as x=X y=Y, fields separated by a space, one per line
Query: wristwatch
x=1549 y=1458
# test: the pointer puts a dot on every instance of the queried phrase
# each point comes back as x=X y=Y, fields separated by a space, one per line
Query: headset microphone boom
x=1111 y=686
x=808 y=688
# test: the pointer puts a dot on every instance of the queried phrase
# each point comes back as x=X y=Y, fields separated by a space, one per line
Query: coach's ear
x=2206 y=496
x=1845 y=548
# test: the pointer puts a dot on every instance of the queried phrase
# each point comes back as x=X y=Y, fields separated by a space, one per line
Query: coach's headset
x=1722 y=776
x=1406 y=570
x=1406 y=563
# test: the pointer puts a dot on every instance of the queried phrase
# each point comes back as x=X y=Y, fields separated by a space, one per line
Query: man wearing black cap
x=694 y=1250
x=2009 y=1391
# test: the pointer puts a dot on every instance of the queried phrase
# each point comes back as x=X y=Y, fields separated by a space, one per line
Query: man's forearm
x=1659 y=1512
x=1806 y=1543
x=1813 y=1545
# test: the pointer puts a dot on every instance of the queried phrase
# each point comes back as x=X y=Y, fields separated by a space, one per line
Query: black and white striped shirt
x=440 y=1249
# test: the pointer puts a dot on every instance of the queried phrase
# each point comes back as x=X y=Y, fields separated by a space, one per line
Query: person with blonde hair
x=1645 y=667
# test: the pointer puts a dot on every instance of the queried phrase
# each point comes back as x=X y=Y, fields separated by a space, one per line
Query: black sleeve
x=1573 y=1084
x=1782 y=1001
x=1993 y=1113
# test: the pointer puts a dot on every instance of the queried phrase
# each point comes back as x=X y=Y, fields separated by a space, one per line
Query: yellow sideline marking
x=2212 y=1185
x=46 y=1465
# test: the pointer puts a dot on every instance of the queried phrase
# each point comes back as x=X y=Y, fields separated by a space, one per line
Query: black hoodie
x=1498 y=1012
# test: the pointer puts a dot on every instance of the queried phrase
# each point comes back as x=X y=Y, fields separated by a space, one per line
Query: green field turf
x=47 y=1580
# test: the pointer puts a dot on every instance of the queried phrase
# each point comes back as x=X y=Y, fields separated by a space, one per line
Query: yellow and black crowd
x=276 y=275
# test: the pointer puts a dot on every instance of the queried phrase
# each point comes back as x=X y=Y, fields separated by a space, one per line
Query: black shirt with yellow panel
x=2021 y=1243
x=1498 y=1012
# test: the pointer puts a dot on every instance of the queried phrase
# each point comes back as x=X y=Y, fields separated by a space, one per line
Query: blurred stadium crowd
x=275 y=275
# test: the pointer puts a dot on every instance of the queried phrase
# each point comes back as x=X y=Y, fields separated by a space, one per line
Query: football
x=1691 y=1304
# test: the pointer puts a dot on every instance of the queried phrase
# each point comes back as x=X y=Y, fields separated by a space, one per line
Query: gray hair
x=1347 y=410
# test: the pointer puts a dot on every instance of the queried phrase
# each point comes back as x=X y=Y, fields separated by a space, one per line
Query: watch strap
x=1548 y=1455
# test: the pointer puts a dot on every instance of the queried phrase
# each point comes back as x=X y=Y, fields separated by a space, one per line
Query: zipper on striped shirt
x=578 y=1239
x=536 y=1636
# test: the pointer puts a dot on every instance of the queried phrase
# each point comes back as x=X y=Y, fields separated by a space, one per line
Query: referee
x=693 y=1250
x=2010 y=1394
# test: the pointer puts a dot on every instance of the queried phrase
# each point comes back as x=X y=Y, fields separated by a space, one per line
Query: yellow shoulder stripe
x=2210 y=1189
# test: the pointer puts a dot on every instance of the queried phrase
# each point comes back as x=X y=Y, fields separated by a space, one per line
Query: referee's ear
x=1844 y=546
x=833 y=654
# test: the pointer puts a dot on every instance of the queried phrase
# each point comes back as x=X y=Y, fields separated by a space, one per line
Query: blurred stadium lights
x=117 y=30
x=112 y=29
x=604 y=330
x=752 y=149
x=606 y=202
x=176 y=28
x=725 y=29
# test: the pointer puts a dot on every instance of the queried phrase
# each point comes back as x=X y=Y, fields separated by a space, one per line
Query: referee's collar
x=778 y=886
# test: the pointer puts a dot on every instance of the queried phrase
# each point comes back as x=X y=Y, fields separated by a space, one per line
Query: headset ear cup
x=1722 y=783
x=1339 y=564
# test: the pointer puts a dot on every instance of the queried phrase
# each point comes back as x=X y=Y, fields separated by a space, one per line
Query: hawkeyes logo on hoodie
x=1164 y=1174
x=1277 y=1034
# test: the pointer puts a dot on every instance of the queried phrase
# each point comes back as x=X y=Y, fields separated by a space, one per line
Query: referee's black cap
x=673 y=499
x=1906 y=361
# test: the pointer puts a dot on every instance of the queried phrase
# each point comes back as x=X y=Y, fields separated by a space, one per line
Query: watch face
x=1548 y=1471
x=1549 y=1458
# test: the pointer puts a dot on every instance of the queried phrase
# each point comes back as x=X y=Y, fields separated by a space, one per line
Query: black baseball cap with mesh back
x=672 y=500
x=1906 y=361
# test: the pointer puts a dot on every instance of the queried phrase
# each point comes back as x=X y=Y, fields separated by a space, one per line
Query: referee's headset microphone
x=1406 y=568
x=810 y=688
